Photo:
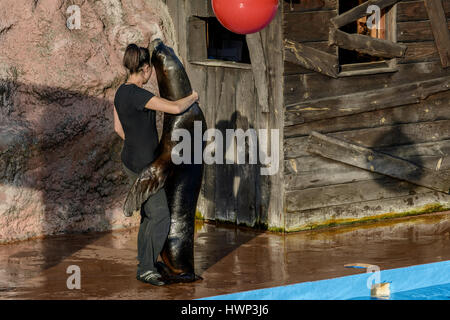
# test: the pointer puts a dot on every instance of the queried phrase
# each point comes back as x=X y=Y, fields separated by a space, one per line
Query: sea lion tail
x=148 y=183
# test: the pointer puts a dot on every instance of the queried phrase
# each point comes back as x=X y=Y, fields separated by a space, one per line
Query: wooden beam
x=439 y=27
x=299 y=88
x=378 y=162
x=433 y=108
x=255 y=47
x=359 y=12
x=364 y=101
x=377 y=138
x=365 y=44
x=311 y=58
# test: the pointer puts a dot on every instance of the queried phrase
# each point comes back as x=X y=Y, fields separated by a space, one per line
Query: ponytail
x=135 y=58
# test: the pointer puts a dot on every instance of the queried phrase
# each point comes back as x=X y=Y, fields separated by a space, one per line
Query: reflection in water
x=229 y=259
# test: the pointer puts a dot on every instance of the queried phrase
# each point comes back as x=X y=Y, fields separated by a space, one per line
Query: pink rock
x=60 y=168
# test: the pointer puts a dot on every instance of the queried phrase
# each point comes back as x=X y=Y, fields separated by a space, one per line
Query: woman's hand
x=172 y=107
x=185 y=103
x=195 y=96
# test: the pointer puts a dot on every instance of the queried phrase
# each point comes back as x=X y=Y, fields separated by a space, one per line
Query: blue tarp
x=425 y=281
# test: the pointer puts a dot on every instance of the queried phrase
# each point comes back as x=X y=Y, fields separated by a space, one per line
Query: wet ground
x=229 y=259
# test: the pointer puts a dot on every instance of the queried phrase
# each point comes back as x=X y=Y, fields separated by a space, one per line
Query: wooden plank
x=259 y=68
x=196 y=40
x=304 y=87
x=366 y=44
x=420 y=52
x=374 y=161
x=428 y=154
x=182 y=27
x=379 y=137
x=311 y=58
x=199 y=8
x=290 y=6
x=302 y=218
x=436 y=107
x=439 y=27
x=360 y=191
x=315 y=171
x=359 y=12
x=432 y=155
x=342 y=174
x=206 y=203
x=295 y=69
x=273 y=184
x=307 y=26
x=225 y=173
x=262 y=183
x=364 y=65
x=415 y=10
x=223 y=64
x=413 y=31
x=291 y=68
x=364 y=101
x=246 y=110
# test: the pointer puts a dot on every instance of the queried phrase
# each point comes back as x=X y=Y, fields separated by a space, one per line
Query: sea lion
x=181 y=182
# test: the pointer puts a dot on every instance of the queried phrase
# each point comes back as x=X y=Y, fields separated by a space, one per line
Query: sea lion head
x=173 y=81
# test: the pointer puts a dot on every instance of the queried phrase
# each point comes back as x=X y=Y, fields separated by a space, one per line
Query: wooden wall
x=415 y=127
x=236 y=193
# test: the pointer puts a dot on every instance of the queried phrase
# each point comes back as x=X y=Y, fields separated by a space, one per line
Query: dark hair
x=135 y=58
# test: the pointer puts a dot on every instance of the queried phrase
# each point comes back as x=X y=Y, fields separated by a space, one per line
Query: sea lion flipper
x=148 y=183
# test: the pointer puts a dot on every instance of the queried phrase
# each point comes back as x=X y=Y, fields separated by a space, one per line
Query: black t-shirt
x=139 y=126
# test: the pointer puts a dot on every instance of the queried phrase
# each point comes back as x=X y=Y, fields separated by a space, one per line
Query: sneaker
x=151 y=277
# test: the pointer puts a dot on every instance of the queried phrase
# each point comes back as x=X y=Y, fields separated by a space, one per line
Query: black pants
x=154 y=227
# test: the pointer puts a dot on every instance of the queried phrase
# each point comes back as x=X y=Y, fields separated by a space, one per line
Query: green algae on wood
x=198 y=215
x=429 y=208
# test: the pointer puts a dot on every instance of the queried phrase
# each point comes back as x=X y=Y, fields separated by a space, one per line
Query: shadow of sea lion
x=392 y=142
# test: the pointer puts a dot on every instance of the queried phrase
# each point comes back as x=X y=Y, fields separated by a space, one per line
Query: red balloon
x=245 y=16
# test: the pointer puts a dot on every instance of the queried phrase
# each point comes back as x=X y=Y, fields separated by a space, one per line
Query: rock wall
x=60 y=168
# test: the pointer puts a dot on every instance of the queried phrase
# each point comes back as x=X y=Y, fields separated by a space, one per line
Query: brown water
x=228 y=259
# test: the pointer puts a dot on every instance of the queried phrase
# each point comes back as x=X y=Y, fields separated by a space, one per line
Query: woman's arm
x=172 y=107
x=118 y=126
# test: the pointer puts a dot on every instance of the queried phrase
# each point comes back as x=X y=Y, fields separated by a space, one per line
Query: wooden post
x=439 y=27
x=378 y=162
x=311 y=58
x=259 y=68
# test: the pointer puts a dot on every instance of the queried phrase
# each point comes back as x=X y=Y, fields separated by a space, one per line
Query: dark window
x=223 y=44
x=360 y=27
